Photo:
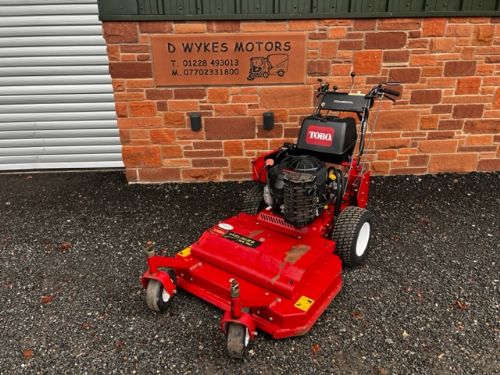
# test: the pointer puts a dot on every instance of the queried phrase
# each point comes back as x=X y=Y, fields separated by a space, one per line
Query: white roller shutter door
x=56 y=99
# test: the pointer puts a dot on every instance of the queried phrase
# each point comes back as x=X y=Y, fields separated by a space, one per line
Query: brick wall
x=448 y=119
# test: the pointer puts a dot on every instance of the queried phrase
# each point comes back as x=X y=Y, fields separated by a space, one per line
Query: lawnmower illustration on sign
x=276 y=266
x=276 y=64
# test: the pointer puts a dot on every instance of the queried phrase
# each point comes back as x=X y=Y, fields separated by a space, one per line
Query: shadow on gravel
x=71 y=253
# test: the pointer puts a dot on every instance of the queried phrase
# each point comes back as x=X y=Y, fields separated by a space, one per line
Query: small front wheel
x=352 y=234
x=156 y=296
x=237 y=340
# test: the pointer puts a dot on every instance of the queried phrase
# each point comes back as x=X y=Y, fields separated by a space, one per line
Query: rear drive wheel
x=253 y=202
x=237 y=340
x=157 y=297
x=352 y=234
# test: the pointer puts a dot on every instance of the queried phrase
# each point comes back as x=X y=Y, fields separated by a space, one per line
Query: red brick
x=162 y=136
x=468 y=85
x=121 y=109
x=468 y=110
x=434 y=26
x=337 y=32
x=399 y=24
x=130 y=69
x=350 y=45
x=425 y=96
x=396 y=56
x=113 y=52
x=139 y=83
x=190 y=93
x=387 y=154
x=483 y=35
x=129 y=96
x=171 y=152
x=479 y=140
x=482 y=126
x=262 y=26
x=202 y=174
x=404 y=75
x=141 y=123
x=202 y=153
x=318 y=35
x=210 y=163
x=207 y=145
x=496 y=102
x=472 y=148
x=385 y=40
x=142 y=109
x=190 y=27
x=218 y=95
x=240 y=164
x=230 y=128
x=120 y=32
x=391 y=143
x=418 y=160
x=286 y=97
x=459 y=68
x=438 y=109
x=302 y=25
x=230 y=109
x=223 y=26
x=233 y=148
x=452 y=163
x=183 y=105
x=398 y=120
x=429 y=122
x=450 y=124
x=488 y=165
x=364 y=24
x=443 y=45
x=442 y=134
x=141 y=156
x=318 y=68
x=174 y=119
x=380 y=167
x=256 y=144
x=438 y=146
x=459 y=30
x=492 y=59
x=155 y=27
x=135 y=48
x=423 y=60
x=159 y=94
x=367 y=62
x=157 y=175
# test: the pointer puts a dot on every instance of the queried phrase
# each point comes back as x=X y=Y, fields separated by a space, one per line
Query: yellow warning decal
x=185 y=253
x=304 y=303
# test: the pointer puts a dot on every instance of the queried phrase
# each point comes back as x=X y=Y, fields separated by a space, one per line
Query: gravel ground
x=71 y=253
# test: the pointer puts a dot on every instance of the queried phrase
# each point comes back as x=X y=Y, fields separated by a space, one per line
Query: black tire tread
x=253 y=201
x=344 y=232
x=236 y=340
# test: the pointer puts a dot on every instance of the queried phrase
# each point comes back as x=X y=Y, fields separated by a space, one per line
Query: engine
x=297 y=188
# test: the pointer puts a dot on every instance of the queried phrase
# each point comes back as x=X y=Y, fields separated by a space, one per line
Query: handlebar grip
x=391 y=92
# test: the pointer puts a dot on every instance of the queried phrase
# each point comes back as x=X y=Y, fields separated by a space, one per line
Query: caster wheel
x=265 y=75
x=237 y=340
x=156 y=296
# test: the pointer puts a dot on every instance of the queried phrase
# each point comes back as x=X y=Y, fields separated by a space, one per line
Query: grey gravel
x=71 y=253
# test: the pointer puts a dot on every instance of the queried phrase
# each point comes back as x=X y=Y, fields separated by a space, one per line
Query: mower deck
x=287 y=276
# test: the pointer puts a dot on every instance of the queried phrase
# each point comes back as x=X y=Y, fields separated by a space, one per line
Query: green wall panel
x=290 y=9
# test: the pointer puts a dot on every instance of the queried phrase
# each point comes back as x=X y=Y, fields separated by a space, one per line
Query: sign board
x=228 y=59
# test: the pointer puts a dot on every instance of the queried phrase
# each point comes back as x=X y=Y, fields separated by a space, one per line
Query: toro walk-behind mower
x=277 y=266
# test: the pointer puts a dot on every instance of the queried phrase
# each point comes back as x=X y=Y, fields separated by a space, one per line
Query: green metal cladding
x=136 y=10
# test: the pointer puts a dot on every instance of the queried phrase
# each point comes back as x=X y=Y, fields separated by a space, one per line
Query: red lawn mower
x=277 y=265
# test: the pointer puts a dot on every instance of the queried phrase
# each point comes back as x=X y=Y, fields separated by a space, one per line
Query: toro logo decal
x=320 y=135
